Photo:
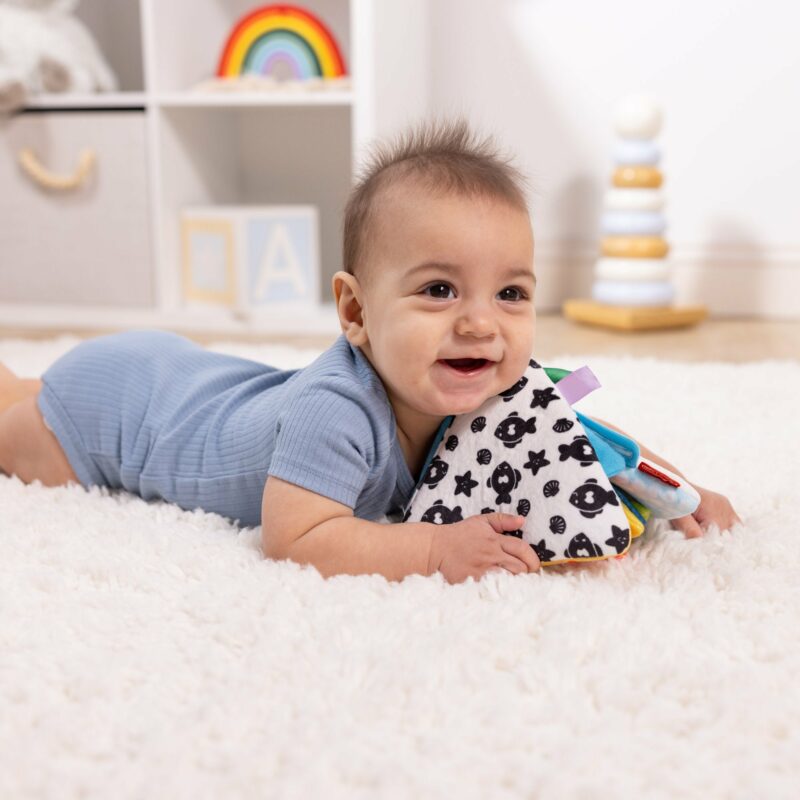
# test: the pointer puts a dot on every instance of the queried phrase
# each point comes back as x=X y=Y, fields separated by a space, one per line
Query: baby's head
x=438 y=266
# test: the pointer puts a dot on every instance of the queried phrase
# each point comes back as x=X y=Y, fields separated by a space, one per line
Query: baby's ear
x=349 y=305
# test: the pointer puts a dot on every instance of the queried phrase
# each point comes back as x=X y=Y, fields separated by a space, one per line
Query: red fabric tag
x=647 y=469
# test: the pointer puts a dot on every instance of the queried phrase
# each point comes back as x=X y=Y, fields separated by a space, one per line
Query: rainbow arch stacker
x=281 y=33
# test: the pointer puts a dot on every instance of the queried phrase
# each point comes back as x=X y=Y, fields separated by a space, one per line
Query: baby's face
x=451 y=278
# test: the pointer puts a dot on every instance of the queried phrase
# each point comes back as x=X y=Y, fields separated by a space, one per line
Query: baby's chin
x=433 y=402
x=463 y=406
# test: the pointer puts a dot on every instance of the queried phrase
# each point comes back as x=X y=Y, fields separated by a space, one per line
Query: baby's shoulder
x=341 y=388
x=341 y=370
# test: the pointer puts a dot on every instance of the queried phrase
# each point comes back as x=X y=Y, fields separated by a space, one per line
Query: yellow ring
x=637 y=177
x=634 y=247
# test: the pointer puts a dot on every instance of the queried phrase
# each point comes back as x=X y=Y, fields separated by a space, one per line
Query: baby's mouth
x=466 y=366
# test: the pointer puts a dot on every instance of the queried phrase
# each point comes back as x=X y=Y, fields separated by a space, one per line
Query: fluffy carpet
x=150 y=652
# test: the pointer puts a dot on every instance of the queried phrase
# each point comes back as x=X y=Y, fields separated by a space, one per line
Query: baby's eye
x=437 y=286
x=520 y=294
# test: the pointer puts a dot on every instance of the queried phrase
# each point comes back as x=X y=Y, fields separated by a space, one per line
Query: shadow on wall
x=532 y=124
x=724 y=274
x=573 y=257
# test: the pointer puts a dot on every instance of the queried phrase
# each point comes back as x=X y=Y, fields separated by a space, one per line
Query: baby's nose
x=478 y=320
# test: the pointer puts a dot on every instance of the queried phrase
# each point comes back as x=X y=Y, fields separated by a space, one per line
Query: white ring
x=632 y=269
x=631 y=293
x=637 y=117
x=634 y=200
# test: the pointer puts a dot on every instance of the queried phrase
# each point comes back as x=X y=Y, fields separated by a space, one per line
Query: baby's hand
x=476 y=546
x=714 y=509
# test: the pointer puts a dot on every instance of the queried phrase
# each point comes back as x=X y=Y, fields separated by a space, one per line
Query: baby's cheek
x=515 y=368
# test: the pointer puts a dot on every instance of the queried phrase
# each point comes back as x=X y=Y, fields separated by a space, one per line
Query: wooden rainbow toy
x=283 y=34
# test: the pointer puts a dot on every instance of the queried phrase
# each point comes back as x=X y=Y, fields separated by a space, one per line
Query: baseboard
x=321 y=320
x=728 y=282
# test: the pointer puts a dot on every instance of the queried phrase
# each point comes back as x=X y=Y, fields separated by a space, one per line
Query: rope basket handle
x=49 y=180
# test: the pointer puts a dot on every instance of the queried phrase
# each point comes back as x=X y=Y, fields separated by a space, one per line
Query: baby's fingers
x=510 y=564
x=688 y=526
x=724 y=518
x=522 y=550
x=501 y=522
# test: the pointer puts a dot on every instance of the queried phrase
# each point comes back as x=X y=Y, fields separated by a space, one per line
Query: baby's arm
x=308 y=528
x=714 y=508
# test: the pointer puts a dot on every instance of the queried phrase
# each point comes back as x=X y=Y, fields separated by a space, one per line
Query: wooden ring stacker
x=637 y=177
x=49 y=180
x=634 y=247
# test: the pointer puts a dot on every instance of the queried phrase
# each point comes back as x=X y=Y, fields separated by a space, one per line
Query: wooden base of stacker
x=632 y=318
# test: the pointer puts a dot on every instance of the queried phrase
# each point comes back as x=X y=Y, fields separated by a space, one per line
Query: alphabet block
x=251 y=258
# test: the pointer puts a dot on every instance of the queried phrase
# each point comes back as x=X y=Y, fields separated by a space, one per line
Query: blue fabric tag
x=615 y=451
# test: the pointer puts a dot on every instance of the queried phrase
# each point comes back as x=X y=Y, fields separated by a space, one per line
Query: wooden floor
x=723 y=339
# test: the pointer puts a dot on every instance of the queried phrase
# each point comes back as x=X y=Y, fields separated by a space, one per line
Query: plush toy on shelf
x=632 y=288
x=45 y=48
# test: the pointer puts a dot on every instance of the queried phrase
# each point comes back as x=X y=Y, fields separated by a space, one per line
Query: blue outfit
x=157 y=415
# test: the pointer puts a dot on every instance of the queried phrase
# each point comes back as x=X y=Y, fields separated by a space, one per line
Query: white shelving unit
x=176 y=147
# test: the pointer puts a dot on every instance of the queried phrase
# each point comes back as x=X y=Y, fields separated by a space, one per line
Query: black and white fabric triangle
x=525 y=452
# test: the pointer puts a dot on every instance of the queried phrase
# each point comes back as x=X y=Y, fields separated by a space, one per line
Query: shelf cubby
x=199 y=146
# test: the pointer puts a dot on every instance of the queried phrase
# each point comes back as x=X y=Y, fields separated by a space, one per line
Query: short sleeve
x=326 y=441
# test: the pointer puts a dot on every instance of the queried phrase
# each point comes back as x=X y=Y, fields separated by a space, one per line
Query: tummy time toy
x=583 y=488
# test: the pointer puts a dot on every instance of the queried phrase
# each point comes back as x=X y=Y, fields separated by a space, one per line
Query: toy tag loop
x=578 y=384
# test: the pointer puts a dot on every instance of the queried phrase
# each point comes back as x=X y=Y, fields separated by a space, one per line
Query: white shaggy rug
x=147 y=652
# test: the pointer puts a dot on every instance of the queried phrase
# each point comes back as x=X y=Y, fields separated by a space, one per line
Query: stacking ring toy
x=633 y=223
x=637 y=177
x=632 y=269
x=634 y=247
x=634 y=200
x=636 y=153
x=633 y=293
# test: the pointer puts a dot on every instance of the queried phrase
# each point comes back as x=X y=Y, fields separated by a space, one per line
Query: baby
x=436 y=305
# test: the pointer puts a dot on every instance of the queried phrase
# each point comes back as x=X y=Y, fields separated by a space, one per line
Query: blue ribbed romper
x=155 y=414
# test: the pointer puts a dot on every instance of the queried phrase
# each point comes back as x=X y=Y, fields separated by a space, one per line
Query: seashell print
x=523 y=507
x=551 y=488
x=452 y=442
x=484 y=456
x=478 y=424
x=557 y=524
x=563 y=425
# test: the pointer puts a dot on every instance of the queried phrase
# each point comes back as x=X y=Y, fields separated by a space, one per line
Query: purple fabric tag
x=578 y=384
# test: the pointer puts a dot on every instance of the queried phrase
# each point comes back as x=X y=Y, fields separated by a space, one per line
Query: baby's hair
x=442 y=157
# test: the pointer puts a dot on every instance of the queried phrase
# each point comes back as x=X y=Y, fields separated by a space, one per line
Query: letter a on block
x=280 y=264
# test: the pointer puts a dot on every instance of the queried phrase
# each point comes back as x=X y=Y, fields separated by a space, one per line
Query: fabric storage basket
x=73 y=199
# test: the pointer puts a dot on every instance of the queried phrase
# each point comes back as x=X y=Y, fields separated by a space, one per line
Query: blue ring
x=636 y=153
x=633 y=223
x=633 y=293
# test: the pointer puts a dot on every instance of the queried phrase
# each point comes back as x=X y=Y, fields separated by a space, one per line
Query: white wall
x=545 y=76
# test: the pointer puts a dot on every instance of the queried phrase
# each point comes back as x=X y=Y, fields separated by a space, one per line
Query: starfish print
x=619 y=539
x=542 y=551
x=465 y=484
x=543 y=397
x=535 y=461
